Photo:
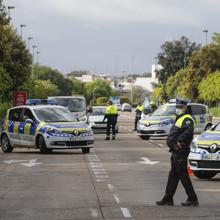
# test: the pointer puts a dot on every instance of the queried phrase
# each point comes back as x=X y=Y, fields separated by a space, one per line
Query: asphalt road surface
x=119 y=179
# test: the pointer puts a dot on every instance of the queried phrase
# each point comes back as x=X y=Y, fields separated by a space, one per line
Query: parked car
x=126 y=107
x=204 y=158
x=44 y=127
x=95 y=117
x=159 y=123
x=119 y=107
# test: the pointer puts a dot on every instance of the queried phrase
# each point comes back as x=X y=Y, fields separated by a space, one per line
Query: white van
x=76 y=104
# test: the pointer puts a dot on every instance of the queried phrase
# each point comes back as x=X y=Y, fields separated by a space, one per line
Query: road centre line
x=96 y=165
x=111 y=187
x=126 y=213
x=102 y=176
x=94 y=213
x=116 y=197
x=208 y=190
x=99 y=172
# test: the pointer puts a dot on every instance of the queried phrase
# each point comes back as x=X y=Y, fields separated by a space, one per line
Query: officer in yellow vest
x=179 y=139
x=139 y=110
x=111 y=114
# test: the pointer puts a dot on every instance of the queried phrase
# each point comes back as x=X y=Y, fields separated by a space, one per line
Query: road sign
x=19 y=98
x=115 y=99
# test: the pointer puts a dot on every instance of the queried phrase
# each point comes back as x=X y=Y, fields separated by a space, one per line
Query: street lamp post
x=34 y=47
x=29 y=41
x=9 y=11
x=22 y=26
x=38 y=52
x=206 y=36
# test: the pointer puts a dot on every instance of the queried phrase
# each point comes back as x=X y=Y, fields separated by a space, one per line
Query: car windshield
x=165 y=110
x=98 y=111
x=217 y=128
x=73 y=104
x=54 y=115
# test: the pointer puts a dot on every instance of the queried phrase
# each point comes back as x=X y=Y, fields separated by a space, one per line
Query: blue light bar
x=41 y=102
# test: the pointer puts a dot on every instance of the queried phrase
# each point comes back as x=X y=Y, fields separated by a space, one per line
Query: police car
x=44 y=127
x=204 y=158
x=159 y=123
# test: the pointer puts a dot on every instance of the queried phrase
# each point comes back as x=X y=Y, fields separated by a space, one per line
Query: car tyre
x=145 y=137
x=6 y=146
x=204 y=174
x=42 y=145
x=86 y=150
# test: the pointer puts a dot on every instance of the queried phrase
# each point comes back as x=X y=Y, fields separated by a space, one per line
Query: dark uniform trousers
x=179 y=172
x=111 y=125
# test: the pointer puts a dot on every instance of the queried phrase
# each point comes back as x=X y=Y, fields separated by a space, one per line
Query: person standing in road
x=179 y=139
x=139 y=110
x=111 y=114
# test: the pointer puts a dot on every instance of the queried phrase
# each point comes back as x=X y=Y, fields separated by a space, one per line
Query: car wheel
x=42 y=145
x=86 y=150
x=204 y=174
x=6 y=146
x=145 y=137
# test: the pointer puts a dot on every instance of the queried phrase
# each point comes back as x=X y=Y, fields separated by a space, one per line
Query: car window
x=217 y=128
x=27 y=114
x=98 y=111
x=54 y=115
x=73 y=104
x=15 y=114
x=197 y=109
x=165 y=110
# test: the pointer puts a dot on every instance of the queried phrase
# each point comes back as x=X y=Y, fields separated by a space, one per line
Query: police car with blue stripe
x=159 y=123
x=44 y=127
x=204 y=158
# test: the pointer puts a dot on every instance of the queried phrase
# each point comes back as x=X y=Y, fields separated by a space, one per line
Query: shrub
x=101 y=100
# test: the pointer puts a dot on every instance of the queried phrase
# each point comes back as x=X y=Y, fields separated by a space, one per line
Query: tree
x=101 y=100
x=216 y=39
x=77 y=86
x=174 y=56
x=4 y=20
x=77 y=73
x=57 y=78
x=96 y=88
x=45 y=88
x=5 y=84
x=209 y=88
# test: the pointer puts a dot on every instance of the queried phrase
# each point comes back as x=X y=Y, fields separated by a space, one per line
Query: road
x=119 y=179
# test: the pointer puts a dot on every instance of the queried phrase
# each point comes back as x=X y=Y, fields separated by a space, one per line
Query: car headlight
x=51 y=130
x=83 y=119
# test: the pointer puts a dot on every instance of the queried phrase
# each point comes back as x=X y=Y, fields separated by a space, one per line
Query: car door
x=15 y=117
x=27 y=130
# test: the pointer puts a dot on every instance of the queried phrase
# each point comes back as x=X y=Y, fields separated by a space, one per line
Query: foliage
x=215 y=111
x=4 y=106
x=64 y=85
x=209 y=88
x=5 y=84
x=139 y=94
x=76 y=85
x=45 y=88
x=216 y=39
x=101 y=100
x=96 y=88
x=3 y=14
x=77 y=73
x=174 y=56
x=158 y=93
x=124 y=99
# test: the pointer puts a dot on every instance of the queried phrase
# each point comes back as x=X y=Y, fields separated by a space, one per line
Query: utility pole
x=9 y=12
x=206 y=36
x=29 y=41
x=22 y=26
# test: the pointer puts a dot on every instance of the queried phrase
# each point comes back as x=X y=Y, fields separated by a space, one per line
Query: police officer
x=139 y=110
x=153 y=106
x=179 y=139
x=111 y=114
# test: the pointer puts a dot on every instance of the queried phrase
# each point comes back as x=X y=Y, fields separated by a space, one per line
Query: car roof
x=66 y=97
x=199 y=104
x=99 y=106
x=38 y=106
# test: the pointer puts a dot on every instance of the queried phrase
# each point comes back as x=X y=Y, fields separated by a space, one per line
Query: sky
x=110 y=36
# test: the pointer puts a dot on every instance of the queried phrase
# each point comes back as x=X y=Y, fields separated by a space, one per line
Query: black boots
x=165 y=202
x=190 y=203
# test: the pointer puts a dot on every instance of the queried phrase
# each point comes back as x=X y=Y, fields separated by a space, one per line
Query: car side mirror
x=29 y=121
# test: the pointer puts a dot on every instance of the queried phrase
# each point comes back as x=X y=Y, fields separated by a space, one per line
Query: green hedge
x=215 y=111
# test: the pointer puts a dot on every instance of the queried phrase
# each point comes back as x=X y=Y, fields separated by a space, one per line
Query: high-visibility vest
x=179 y=122
x=140 y=107
x=111 y=110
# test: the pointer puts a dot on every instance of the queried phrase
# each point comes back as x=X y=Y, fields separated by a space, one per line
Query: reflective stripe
x=27 y=128
x=179 y=122
x=16 y=127
x=208 y=142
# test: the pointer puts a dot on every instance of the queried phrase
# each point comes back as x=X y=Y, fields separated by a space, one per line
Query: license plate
x=76 y=138
x=211 y=157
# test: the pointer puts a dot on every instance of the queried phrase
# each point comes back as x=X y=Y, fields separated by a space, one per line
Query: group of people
x=178 y=141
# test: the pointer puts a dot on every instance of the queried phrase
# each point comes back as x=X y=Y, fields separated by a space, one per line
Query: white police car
x=204 y=158
x=159 y=123
x=44 y=127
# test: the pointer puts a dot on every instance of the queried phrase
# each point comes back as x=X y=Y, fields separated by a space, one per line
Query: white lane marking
x=116 y=197
x=102 y=176
x=27 y=163
x=96 y=165
x=99 y=172
x=96 y=160
x=100 y=180
x=126 y=213
x=161 y=145
x=208 y=190
x=94 y=213
x=147 y=161
x=111 y=187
